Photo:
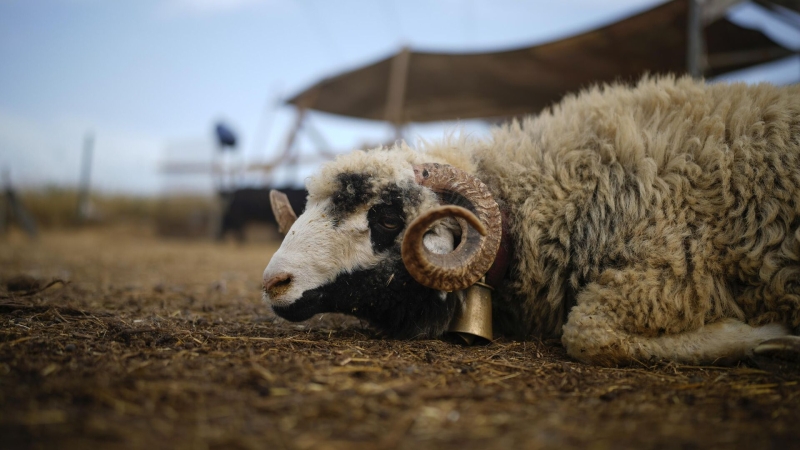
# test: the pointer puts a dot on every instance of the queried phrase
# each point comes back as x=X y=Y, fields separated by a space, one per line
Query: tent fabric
x=793 y=5
x=444 y=86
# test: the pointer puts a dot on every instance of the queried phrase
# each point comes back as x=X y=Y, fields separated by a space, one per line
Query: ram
x=655 y=221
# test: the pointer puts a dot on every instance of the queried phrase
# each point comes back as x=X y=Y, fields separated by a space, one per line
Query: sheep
x=654 y=221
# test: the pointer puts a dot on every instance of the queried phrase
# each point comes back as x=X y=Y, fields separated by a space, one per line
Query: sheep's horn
x=282 y=209
x=480 y=241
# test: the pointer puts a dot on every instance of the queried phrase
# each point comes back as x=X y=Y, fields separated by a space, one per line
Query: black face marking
x=385 y=223
x=386 y=219
x=386 y=296
x=354 y=190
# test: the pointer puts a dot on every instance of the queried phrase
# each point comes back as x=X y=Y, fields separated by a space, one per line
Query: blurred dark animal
x=251 y=205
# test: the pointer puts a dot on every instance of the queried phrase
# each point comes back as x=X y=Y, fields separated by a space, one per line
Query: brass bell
x=474 y=320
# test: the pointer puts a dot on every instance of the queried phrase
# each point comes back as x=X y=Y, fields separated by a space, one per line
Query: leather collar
x=504 y=255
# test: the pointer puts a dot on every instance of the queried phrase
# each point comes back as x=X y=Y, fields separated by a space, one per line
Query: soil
x=158 y=344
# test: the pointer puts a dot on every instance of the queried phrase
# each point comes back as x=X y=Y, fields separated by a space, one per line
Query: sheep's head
x=386 y=240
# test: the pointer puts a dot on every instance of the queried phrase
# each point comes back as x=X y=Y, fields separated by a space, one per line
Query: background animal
x=659 y=221
x=251 y=205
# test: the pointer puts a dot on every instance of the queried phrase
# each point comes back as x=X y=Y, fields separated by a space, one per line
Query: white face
x=315 y=251
x=343 y=255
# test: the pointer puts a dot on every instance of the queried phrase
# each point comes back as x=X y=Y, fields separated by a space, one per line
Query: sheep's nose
x=278 y=285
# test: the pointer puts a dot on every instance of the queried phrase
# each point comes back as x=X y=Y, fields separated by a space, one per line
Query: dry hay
x=159 y=344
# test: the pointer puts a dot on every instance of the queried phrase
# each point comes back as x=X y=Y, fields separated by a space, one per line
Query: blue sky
x=150 y=77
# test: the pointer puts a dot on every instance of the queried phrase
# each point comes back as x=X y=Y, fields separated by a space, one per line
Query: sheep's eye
x=390 y=221
x=385 y=220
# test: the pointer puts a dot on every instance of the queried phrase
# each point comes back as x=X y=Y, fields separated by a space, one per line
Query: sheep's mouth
x=386 y=297
x=301 y=309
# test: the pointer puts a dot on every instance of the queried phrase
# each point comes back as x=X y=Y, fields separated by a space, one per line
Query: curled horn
x=282 y=209
x=480 y=241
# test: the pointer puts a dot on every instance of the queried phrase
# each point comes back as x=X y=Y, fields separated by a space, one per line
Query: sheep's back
x=700 y=180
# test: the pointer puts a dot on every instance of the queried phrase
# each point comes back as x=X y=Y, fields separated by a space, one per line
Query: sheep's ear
x=282 y=209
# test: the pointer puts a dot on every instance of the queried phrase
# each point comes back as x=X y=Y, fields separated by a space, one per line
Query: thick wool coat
x=652 y=211
x=660 y=220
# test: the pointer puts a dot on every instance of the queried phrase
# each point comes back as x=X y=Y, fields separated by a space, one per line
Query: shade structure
x=413 y=86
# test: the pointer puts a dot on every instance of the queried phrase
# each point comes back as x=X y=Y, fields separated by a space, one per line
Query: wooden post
x=13 y=208
x=694 y=29
x=86 y=172
x=695 y=53
x=5 y=205
x=395 y=96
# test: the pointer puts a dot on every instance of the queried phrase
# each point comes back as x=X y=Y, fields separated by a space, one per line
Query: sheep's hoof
x=786 y=348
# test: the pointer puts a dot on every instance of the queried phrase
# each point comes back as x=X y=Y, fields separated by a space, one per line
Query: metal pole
x=86 y=173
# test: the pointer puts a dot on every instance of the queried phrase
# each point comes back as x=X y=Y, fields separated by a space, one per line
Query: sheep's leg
x=630 y=316
x=721 y=342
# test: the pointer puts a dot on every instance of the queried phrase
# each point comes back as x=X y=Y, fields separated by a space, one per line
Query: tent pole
x=398 y=131
x=302 y=109
x=395 y=97
x=298 y=123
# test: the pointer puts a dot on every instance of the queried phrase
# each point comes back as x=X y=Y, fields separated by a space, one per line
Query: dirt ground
x=165 y=344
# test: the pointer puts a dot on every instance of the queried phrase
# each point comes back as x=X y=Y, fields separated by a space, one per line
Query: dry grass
x=57 y=208
x=176 y=216
x=166 y=344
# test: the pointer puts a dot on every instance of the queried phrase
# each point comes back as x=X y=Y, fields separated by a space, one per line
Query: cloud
x=42 y=153
x=173 y=8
